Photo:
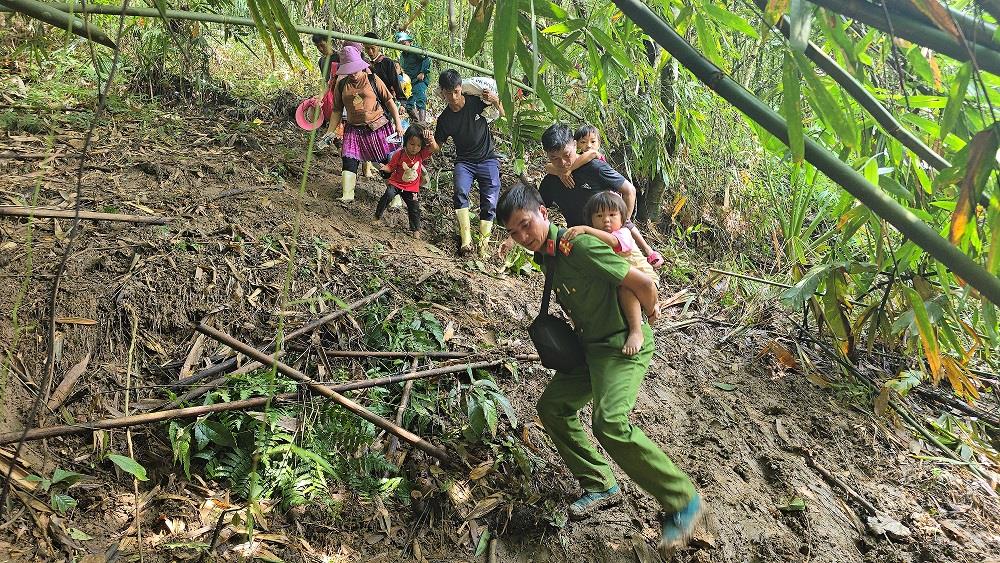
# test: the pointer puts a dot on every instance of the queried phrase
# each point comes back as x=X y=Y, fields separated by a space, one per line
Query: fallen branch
x=40 y=212
x=341 y=400
x=256 y=402
x=231 y=362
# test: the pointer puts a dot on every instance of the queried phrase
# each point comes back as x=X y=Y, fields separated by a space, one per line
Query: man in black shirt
x=593 y=177
x=384 y=68
x=475 y=158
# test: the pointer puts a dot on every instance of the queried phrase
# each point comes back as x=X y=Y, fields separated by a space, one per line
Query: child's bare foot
x=418 y=234
x=633 y=343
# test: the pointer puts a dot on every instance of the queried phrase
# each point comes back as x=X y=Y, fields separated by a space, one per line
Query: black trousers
x=409 y=198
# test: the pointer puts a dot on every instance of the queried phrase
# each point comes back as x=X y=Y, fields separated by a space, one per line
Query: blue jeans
x=487 y=175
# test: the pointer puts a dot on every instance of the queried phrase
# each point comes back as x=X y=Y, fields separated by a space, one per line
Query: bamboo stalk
x=231 y=20
x=839 y=172
x=41 y=212
x=992 y=7
x=928 y=35
x=231 y=362
x=57 y=17
x=975 y=30
x=871 y=104
x=336 y=397
x=256 y=402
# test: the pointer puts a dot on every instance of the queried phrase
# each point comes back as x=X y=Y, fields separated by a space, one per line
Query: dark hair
x=415 y=130
x=585 y=130
x=556 y=137
x=520 y=196
x=320 y=37
x=449 y=79
x=371 y=35
x=605 y=201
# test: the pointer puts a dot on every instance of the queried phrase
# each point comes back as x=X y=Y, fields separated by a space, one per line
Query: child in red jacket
x=405 y=171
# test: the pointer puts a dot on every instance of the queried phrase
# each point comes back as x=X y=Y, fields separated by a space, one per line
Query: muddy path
x=782 y=460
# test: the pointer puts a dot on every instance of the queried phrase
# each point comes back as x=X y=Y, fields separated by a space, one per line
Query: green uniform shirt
x=587 y=276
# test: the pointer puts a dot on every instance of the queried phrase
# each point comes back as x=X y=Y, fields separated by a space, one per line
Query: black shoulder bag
x=557 y=344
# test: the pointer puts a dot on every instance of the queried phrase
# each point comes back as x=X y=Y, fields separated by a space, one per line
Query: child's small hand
x=567 y=179
x=574 y=232
x=428 y=135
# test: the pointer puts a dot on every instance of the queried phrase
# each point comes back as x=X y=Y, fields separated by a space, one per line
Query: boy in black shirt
x=475 y=158
x=384 y=68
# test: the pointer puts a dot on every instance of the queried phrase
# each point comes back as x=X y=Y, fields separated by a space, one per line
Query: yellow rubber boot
x=369 y=170
x=485 y=228
x=348 y=181
x=464 y=230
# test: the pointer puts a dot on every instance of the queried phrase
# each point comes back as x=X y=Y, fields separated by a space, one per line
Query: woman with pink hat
x=371 y=117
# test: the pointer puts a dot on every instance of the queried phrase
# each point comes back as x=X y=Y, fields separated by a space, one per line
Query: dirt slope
x=739 y=425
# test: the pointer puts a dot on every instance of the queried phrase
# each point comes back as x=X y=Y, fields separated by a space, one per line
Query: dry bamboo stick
x=192 y=412
x=341 y=400
x=41 y=212
x=228 y=364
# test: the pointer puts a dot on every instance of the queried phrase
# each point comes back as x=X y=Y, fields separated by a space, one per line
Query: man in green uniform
x=586 y=280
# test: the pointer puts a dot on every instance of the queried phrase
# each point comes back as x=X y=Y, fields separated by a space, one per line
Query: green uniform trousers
x=612 y=380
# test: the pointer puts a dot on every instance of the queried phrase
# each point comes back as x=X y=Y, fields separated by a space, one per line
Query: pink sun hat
x=350 y=61
x=309 y=114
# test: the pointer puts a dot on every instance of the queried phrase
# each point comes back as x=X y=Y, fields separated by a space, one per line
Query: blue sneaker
x=591 y=501
x=678 y=526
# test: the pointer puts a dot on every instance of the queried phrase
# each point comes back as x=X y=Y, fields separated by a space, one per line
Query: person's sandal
x=591 y=501
x=655 y=259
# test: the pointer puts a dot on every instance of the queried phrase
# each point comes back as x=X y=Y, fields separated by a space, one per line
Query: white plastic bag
x=475 y=86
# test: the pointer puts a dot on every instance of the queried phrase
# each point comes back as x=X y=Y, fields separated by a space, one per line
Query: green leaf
x=70 y=478
x=130 y=466
x=826 y=106
x=79 y=535
x=729 y=19
x=507 y=408
x=564 y=27
x=707 y=40
x=504 y=36
x=796 y=296
x=62 y=503
x=492 y=416
x=890 y=185
x=291 y=34
x=790 y=107
x=956 y=99
x=484 y=542
x=724 y=386
x=478 y=26
x=218 y=433
x=797 y=504
x=545 y=9
x=477 y=419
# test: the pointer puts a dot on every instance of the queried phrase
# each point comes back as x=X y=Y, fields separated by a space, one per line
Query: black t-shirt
x=469 y=129
x=595 y=176
x=385 y=69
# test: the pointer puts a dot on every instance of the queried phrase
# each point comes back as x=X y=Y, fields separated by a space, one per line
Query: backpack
x=378 y=123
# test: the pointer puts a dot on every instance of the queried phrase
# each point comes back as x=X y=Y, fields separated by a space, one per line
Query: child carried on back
x=606 y=211
x=588 y=145
x=404 y=172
